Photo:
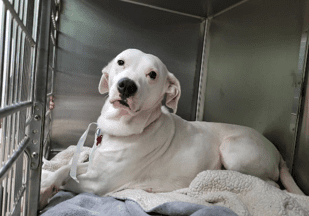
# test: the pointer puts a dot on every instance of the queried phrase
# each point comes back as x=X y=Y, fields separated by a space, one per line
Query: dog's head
x=137 y=81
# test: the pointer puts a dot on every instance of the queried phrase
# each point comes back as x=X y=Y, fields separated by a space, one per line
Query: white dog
x=146 y=147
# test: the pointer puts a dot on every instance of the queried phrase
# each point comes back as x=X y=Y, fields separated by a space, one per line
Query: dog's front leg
x=52 y=181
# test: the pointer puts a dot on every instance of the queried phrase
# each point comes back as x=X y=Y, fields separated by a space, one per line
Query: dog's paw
x=47 y=193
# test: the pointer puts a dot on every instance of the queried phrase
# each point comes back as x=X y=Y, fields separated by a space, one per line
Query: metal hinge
x=35 y=132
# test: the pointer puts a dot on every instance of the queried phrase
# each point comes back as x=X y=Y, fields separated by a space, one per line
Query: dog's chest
x=163 y=157
x=127 y=158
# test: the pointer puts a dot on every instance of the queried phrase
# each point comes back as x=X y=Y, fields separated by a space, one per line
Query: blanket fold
x=243 y=194
x=86 y=204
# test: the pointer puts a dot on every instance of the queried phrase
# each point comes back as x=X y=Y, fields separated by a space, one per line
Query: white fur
x=148 y=148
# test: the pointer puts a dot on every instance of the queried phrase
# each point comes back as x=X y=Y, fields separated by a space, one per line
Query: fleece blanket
x=242 y=194
x=85 y=204
x=245 y=195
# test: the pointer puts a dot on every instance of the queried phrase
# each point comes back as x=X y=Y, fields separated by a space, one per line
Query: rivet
x=37 y=117
x=34 y=131
x=35 y=155
x=35 y=141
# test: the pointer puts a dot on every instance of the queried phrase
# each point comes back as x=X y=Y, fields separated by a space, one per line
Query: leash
x=80 y=144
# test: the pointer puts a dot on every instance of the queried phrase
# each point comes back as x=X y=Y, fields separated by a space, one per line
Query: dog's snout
x=126 y=87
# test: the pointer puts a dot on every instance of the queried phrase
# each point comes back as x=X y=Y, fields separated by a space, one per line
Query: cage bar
x=18 y=31
x=20 y=23
x=14 y=108
x=22 y=146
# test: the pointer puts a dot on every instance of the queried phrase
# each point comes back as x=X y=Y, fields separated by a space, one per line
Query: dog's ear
x=103 y=85
x=173 y=92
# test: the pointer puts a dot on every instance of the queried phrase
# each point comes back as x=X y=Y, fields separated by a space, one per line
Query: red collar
x=99 y=140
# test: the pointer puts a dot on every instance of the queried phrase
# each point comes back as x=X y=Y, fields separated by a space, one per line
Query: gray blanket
x=66 y=203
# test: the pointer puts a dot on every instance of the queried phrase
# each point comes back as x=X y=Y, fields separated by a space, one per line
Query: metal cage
x=220 y=50
x=28 y=34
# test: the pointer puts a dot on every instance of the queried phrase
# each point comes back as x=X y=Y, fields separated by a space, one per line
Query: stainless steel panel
x=93 y=32
x=301 y=165
x=253 y=60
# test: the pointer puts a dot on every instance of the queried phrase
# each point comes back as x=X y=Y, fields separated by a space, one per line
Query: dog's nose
x=126 y=87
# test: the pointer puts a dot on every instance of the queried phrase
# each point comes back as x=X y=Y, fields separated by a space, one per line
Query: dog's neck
x=112 y=122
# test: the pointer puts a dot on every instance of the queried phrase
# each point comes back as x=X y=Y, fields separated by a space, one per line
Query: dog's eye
x=152 y=75
x=120 y=62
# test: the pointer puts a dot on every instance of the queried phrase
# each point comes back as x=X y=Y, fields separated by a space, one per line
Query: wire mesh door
x=24 y=42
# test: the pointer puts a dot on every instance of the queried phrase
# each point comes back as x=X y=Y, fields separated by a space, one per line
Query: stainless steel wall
x=93 y=32
x=252 y=66
x=301 y=165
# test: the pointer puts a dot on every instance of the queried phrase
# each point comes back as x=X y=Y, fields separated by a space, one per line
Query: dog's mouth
x=121 y=104
x=124 y=103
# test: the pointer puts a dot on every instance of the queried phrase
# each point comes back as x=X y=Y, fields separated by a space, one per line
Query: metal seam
x=229 y=8
x=164 y=9
x=199 y=111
